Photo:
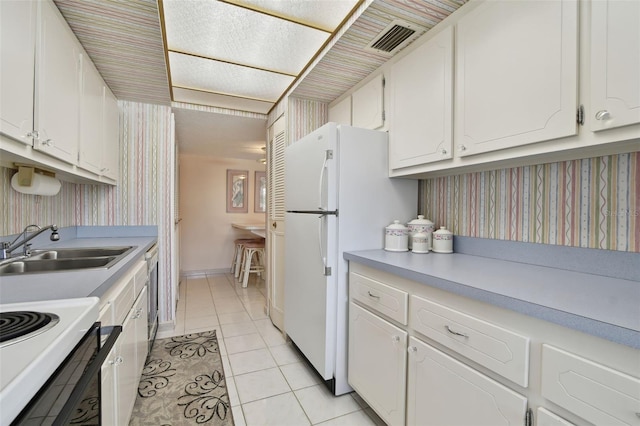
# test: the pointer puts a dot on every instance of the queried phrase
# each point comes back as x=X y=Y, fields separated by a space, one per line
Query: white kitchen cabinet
x=99 y=149
x=57 y=87
x=124 y=305
x=593 y=391
x=110 y=166
x=17 y=41
x=421 y=124
x=378 y=363
x=443 y=391
x=545 y=417
x=341 y=112
x=91 y=117
x=615 y=64
x=516 y=74
x=367 y=104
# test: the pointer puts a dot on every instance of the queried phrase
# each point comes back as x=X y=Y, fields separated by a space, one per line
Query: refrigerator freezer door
x=310 y=295
x=310 y=171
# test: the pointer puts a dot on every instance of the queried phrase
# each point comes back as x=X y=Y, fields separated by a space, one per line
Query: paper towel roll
x=40 y=185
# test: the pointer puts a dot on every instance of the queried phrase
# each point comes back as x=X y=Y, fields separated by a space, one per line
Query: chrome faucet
x=7 y=247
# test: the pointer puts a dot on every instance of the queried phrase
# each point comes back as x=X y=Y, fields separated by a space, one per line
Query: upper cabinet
x=367 y=104
x=516 y=74
x=57 y=113
x=57 y=86
x=17 y=44
x=422 y=90
x=615 y=64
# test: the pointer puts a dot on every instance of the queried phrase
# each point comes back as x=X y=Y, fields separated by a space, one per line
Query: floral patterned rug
x=183 y=384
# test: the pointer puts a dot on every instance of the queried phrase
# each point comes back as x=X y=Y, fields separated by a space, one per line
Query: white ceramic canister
x=420 y=225
x=443 y=241
x=396 y=237
x=420 y=242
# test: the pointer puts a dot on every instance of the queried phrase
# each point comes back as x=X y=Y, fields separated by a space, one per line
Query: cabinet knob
x=47 y=142
x=34 y=134
x=603 y=115
x=443 y=151
x=395 y=339
x=412 y=349
x=462 y=148
x=117 y=361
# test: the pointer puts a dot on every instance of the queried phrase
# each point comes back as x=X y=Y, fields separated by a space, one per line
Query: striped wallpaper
x=592 y=203
x=141 y=198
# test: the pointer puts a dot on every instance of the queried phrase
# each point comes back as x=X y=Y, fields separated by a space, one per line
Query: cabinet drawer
x=493 y=347
x=122 y=300
x=380 y=297
x=597 y=393
x=547 y=418
x=139 y=277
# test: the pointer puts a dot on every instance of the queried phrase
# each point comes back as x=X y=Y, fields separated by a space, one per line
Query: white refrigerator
x=338 y=197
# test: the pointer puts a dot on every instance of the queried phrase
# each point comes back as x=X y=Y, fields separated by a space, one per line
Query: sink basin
x=74 y=253
x=53 y=265
x=66 y=259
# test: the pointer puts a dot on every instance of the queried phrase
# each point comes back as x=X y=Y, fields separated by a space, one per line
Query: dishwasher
x=151 y=256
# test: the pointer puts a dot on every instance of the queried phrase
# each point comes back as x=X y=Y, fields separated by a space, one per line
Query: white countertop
x=599 y=305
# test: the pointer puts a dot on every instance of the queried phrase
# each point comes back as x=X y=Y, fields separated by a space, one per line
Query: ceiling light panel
x=326 y=14
x=225 y=32
x=203 y=74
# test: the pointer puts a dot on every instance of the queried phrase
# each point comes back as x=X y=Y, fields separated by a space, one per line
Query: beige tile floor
x=268 y=381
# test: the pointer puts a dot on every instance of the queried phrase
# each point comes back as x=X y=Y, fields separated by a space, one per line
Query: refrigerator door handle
x=328 y=156
x=327 y=270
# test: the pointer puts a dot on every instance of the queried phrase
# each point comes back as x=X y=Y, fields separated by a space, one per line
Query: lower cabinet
x=443 y=391
x=123 y=366
x=378 y=363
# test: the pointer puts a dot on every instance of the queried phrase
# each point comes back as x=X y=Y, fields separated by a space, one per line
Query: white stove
x=27 y=363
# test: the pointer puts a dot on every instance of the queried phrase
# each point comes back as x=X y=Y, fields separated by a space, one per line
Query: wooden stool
x=248 y=265
x=236 y=262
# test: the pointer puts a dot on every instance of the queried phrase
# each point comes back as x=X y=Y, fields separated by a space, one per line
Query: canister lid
x=420 y=221
x=396 y=225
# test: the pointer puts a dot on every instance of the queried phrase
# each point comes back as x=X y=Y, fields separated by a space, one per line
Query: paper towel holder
x=34 y=180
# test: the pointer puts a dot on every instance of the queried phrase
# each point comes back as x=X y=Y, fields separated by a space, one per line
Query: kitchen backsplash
x=592 y=203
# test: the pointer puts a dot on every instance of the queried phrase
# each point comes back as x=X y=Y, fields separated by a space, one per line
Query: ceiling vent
x=397 y=35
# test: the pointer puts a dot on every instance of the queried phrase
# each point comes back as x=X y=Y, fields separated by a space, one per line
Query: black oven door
x=71 y=396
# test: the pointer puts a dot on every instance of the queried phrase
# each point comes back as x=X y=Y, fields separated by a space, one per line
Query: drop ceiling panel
x=225 y=32
x=325 y=14
x=221 y=101
x=224 y=78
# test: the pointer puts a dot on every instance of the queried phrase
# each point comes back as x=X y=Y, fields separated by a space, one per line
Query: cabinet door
x=378 y=363
x=443 y=391
x=17 y=49
x=108 y=401
x=91 y=115
x=516 y=74
x=57 y=86
x=367 y=104
x=142 y=342
x=127 y=379
x=615 y=63
x=421 y=127
x=111 y=136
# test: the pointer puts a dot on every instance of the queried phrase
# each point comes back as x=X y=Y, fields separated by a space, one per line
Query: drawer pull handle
x=373 y=295
x=455 y=333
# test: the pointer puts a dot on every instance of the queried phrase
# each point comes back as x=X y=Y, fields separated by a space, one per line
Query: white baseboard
x=203 y=273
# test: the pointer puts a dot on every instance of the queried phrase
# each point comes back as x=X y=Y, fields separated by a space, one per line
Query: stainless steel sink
x=73 y=253
x=66 y=259
x=52 y=265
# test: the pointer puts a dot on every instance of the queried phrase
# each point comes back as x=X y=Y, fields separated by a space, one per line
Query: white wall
x=206 y=234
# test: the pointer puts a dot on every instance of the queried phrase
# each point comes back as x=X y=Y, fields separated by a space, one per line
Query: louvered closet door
x=275 y=243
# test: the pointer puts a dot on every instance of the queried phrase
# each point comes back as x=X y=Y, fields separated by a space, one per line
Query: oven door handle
x=89 y=374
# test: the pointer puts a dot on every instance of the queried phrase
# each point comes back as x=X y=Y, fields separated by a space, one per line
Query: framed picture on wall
x=237 y=188
x=260 y=193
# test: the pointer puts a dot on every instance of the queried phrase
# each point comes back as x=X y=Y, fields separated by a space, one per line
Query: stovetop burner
x=20 y=325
